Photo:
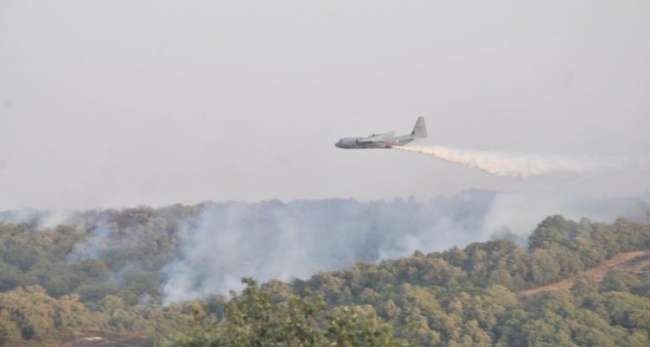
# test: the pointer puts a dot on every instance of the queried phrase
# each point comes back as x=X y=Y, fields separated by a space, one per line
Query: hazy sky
x=112 y=103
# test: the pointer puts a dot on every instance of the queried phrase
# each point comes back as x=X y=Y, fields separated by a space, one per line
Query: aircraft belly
x=377 y=145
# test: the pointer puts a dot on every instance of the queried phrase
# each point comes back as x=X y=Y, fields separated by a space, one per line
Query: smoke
x=202 y=250
x=507 y=164
x=277 y=240
x=37 y=219
x=519 y=213
x=94 y=247
x=297 y=239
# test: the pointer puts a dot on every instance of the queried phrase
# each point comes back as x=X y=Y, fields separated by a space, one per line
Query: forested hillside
x=462 y=297
x=102 y=272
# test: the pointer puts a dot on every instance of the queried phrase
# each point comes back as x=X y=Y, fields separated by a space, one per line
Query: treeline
x=90 y=271
x=94 y=254
x=29 y=313
x=127 y=253
x=104 y=270
x=461 y=297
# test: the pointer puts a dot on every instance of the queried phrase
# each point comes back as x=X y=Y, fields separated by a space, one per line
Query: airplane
x=385 y=140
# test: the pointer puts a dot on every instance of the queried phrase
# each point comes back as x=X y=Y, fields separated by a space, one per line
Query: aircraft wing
x=377 y=137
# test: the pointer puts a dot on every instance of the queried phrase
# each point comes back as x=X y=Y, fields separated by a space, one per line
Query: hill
x=98 y=277
x=576 y=284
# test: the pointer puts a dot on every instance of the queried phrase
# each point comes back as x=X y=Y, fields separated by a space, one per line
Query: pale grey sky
x=113 y=103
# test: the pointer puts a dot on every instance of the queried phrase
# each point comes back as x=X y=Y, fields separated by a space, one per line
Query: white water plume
x=506 y=164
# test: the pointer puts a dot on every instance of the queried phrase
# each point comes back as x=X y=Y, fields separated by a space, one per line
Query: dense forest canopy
x=165 y=273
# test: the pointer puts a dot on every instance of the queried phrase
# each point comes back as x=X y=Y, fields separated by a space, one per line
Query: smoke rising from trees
x=181 y=252
x=277 y=240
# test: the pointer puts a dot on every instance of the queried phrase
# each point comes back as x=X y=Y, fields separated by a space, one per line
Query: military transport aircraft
x=385 y=140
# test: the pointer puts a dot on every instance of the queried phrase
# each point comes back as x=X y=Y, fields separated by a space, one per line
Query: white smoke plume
x=202 y=250
x=507 y=164
x=277 y=240
x=39 y=220
x=93 y=247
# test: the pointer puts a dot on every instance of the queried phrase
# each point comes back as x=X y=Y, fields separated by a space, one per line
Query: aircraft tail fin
x=420 y=129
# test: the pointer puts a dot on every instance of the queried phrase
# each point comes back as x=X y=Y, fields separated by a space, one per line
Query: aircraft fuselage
x=385 y=140
x=363 y=143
